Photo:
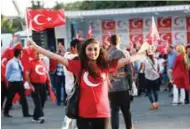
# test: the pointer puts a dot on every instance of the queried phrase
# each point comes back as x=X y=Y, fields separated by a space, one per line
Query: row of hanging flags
x=41 y=19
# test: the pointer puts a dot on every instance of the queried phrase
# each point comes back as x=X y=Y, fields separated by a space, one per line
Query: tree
x=7 y=26
x=91 y=5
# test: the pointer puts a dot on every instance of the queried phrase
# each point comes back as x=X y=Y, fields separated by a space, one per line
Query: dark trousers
x=15 y=87
x=187 y=96
x=52 y=78
x=4 y=91
x=60 y=82
x=120 y=100
x=93 y=123
x=39 y=97
x=142 y=86
x=152 y=87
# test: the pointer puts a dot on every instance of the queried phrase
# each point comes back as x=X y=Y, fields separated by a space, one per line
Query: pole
x=152 y=28
x=27 y=26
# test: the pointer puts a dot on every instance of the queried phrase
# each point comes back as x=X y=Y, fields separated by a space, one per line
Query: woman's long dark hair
x=93 y=67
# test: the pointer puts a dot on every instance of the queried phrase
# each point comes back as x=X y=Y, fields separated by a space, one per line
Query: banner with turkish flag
x=136 y=38
x=164 y=24
x=40 y=19
x=188 y=23
x=136 y=26
x=165 y=38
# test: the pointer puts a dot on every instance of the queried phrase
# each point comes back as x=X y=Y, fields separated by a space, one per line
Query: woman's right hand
x=31 y=42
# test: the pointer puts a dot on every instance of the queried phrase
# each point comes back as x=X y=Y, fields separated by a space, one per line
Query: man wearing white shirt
x=69 y=77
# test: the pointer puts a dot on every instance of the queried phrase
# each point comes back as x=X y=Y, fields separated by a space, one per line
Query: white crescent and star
x=164 y=37
x=178 y=21
x=164 y=22
x=87 y=82
x=148 y=22
x=178 y=36
x=121 y=24
x=136 y=23
x=38 y=71
x=136 y=38
x=107 y=40
x=36 y=19
x=106 y=24
x=3 y=62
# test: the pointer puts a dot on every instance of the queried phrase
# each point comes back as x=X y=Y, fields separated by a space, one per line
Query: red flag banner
x=153 y=34
x=136 y=26
x=52 y=95
x=164 y=24
x=89 y=35
x=40 y=19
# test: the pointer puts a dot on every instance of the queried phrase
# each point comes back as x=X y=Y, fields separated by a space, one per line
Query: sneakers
x=154 y=106
x=40 y=120
x=7 y=115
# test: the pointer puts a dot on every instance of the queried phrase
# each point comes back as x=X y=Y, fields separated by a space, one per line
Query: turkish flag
x=52 y=95
x=153 y=34
x=40 y=19
x=79 y=35
x=89 y=35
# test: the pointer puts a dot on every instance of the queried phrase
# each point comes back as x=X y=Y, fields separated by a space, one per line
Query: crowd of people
x=107 y=79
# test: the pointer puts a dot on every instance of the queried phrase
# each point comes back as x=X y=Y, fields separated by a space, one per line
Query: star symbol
x=49 y=19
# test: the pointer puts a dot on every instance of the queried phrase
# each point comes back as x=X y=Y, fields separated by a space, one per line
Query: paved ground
x=167 y=117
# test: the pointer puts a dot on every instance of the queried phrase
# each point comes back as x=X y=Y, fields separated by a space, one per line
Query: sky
x=8 y=9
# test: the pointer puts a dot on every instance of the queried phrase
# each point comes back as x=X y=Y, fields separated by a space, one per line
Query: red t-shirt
x=53 y=64
x=94 y=102
x=38 y=71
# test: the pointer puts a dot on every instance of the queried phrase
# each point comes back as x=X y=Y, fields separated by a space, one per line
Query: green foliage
x=92 y=5
x=7 y=26
x=10 y=26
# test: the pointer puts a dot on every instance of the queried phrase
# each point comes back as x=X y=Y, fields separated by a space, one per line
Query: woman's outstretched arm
x=49 y=54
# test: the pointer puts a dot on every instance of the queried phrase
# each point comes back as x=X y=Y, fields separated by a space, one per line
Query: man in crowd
x=119 y=91
x=14 y=75
x=60 y=77
x=70 y=80
x=170 y=62
x=38 y=78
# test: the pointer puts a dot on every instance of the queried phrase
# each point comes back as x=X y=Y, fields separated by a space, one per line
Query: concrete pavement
x=167 y=117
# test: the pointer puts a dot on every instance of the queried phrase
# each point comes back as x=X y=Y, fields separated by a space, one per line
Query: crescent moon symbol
x=163 y=22
x=121 y=23
x=148 y=21
x=3 y=62
x=135 y=23
x=36 y=19
x=106 y=40
x=178 y=36
x=37 y=70
x=88 y=83
x=106 y=25
x=135 y=38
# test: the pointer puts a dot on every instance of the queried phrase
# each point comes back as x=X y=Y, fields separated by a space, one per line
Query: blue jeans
x=60 y=82
x=152 y=86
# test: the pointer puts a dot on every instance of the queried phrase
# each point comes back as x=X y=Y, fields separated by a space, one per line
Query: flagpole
x=152 y=27
x=27 y=26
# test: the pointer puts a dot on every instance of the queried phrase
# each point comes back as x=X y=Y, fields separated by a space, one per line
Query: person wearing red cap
x=37 y=76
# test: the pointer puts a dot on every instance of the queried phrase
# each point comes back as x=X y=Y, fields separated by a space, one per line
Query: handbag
x=72 y=100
